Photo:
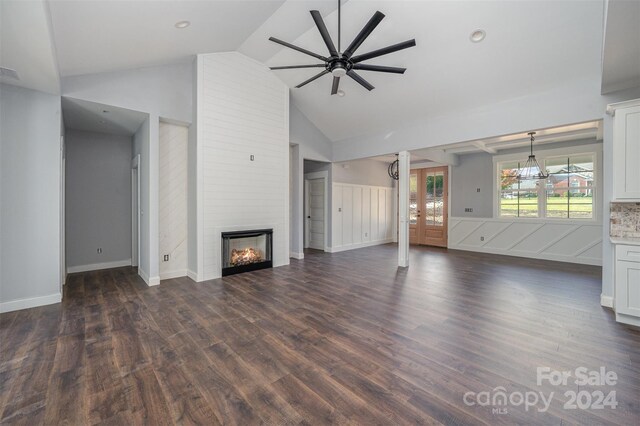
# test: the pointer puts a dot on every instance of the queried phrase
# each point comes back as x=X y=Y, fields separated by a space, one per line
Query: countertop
x=627 y=241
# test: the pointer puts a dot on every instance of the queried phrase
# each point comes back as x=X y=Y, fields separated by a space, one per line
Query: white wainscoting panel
x=362 y=216
x=571 y=241
x=243 y=138
x=173 y=200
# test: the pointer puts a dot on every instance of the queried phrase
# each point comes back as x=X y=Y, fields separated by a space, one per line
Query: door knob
x=308 y=217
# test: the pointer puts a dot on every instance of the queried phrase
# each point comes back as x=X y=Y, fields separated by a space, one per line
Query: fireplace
x=244 y=251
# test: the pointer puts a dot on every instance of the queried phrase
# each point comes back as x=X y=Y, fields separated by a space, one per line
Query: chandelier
x=531 y=169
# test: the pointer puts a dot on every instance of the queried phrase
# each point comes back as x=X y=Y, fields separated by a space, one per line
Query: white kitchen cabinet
x=626 y=150
x=627 y=284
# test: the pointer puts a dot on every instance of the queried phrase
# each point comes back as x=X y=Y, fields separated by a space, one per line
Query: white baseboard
x=98 y=266
x=359 y=245
x=143 y=275
x=30 y=302
x=295 y=255
x=151 y=281
x=173 y=274
x=529 y=255
x=628 y=319
x=192 y=275
x=606 y=301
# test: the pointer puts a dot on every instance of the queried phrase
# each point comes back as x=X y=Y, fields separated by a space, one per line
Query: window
x=568 y=193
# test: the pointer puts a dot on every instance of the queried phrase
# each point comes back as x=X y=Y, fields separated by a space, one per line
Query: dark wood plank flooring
x=343 y=338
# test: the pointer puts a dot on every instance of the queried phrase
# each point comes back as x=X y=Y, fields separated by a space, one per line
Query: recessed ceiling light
x=340 y=93
x=182 y=24
x=477 y=36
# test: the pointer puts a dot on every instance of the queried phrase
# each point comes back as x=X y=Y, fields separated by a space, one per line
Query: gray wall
x=30 y=198
x=363 y=172
x=314 y=145
x=474 y=171
x=98 y=198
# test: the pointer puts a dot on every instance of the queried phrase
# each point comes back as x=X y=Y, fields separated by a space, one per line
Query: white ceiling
x=94 y=117
x=621 y=50
x=26 y=47
x=531 y=45
x=100 y=36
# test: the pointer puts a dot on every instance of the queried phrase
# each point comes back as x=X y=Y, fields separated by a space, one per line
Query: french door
x=428 y=201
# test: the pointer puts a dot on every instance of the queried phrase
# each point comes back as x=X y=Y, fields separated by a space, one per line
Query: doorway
x=315 y=210
x=428 y=206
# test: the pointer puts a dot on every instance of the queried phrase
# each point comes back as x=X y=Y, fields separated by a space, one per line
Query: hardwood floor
x=335 y=338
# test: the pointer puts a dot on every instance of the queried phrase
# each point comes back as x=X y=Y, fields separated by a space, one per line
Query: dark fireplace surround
x=245 y=251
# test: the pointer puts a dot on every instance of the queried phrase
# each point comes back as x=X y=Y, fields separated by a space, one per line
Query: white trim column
x=403 y=208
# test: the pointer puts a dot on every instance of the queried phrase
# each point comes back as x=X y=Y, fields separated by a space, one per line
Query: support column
x=403 y=208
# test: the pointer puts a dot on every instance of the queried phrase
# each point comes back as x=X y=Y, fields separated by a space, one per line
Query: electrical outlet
x=477 y=189
x=366 y=234
x=99 y=250
x=340 y=209
x=481 y=238
x=166 y=257
x=468 y=210
x=252 y=157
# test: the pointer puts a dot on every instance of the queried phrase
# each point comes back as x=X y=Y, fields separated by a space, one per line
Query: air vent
x=9 y=73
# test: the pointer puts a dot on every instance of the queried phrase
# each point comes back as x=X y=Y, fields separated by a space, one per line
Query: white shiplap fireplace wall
x=242 y=111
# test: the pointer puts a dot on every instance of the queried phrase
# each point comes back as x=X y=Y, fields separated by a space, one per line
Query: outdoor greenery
x=557 y=206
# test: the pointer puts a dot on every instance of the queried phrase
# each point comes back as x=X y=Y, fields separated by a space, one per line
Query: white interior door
x=315 y=219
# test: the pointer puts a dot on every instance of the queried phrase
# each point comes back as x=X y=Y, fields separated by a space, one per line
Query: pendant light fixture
x=531 y=169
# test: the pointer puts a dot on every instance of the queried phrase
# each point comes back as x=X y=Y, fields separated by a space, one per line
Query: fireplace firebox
x=244 y=251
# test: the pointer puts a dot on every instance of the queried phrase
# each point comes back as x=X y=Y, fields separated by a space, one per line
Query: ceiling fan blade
x=364 y=33
x=290 y=67
x=360 y=80
x=324 y=32
x=312 y=78
x=336 y=84
x=379 y=68
x=299 y=49
x=384 y=51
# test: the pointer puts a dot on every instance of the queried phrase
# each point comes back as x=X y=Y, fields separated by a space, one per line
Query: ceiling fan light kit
x=340 y=64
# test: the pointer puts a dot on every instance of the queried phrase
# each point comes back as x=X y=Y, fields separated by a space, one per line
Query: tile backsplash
x=625 y=220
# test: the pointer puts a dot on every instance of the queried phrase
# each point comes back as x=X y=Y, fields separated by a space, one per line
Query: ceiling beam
x=483 y=147
x=591 y=132
x=438 y=156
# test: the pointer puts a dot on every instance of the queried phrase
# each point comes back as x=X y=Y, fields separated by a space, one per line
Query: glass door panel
x=438 y=199
x=413 y=199
x=429 y=197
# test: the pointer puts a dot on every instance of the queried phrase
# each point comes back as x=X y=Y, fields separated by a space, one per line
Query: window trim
x=594 y=149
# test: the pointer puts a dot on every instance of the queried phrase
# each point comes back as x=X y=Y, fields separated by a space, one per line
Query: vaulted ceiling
x=530 y=46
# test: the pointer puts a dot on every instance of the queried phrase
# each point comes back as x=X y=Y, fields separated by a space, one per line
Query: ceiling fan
x=344 y=63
